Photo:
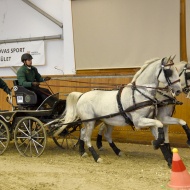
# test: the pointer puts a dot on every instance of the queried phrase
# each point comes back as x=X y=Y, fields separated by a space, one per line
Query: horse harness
x=151 y=101
x=136 y=106
x=187 y=77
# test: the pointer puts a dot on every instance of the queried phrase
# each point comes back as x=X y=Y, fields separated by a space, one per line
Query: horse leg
x=165 y=148
x=147 y=122
x=99 y=136
x=160 y=140
x=167 y=155
x=187 y=131
x=89 y=128
x=82 y=151
x=108 y=136
x=172 y=120
x=166 y=142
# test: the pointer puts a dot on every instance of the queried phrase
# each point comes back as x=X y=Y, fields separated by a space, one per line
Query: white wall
x=19 y=20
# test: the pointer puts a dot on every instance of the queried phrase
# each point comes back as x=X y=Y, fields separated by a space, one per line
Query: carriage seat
x=23 y=95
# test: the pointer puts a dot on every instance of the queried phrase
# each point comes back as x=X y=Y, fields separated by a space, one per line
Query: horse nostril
x=178 y=92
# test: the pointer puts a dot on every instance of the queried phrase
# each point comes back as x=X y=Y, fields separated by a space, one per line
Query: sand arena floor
x=56 y=169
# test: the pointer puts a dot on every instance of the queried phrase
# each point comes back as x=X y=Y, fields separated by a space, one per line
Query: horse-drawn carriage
x=29 y=125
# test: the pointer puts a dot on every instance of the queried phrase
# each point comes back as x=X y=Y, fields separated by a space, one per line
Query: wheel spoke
x=4 y=136
x=30 y=137
x=23 y=133
x=36 y=142
x=2 y=144
x=67 y=139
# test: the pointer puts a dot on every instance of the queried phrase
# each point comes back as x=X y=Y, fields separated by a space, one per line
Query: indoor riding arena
x=95 y=94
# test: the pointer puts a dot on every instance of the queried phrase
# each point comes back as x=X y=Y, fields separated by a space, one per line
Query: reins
x=97 y=83
x=104 y=87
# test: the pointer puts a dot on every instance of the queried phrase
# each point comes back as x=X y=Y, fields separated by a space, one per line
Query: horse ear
x=188 y=65
x=185 y=62
x=173 y=57
x=167 y=60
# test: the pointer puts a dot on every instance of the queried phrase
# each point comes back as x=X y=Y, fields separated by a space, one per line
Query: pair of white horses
x=137 y=103
x=164 y=114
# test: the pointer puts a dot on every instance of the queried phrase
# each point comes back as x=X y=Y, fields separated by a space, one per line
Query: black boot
x=169 y=148
x=160 y=139
x=167 y=154
x=99 y=141
x=81 y=147
x=94 y=154
x=115 y=149
x=187 y=131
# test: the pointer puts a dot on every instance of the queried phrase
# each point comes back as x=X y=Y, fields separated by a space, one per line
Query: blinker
x=187 y=75
x=168 y=73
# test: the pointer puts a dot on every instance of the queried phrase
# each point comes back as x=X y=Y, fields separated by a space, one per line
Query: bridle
x=167 y=72
x=186 y=89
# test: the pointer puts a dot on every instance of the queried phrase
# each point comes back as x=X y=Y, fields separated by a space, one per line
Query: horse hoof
x=170 y=165
x=100 y=160
x=84 y=155
x=101 y=149
x=169 y=161
x=121 y=154
x=155 y=146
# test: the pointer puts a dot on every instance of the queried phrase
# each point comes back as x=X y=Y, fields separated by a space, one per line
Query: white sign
x=10 y=53
x=20 y=99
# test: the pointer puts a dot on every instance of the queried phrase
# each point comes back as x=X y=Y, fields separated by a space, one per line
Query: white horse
x=134 y=103
x=164 y=114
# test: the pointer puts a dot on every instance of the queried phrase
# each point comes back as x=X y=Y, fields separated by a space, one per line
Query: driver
x=28 y=77
x=6 y=89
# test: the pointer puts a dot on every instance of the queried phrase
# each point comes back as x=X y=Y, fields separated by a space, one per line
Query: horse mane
x=146 y=64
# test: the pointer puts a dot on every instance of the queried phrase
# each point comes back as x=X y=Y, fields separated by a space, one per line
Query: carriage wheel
x=4 y=137
x=30 y=137
x=68 y=140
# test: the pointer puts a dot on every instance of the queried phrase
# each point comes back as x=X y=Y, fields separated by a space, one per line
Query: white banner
x=10 y=53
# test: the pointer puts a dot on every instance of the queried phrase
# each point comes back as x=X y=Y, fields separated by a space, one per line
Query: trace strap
x=120 y=107
x=129 y=109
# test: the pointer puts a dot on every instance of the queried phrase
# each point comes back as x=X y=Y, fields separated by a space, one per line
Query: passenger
x=28 y=77
x=4 y=86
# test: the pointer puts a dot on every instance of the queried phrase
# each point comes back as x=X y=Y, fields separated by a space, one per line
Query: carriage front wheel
x=4 y=137
x=30 y=137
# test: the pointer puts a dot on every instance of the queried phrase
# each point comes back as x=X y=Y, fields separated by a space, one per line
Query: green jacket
x=4 y=86
x=26 y=76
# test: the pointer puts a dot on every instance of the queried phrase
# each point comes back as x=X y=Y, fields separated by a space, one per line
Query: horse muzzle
x=177 y=92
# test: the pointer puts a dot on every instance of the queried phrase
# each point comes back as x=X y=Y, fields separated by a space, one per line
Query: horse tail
x=70 y=110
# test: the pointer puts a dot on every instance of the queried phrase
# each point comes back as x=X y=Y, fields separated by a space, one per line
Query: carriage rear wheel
x=30 y=137
x=4 y=137
x=69 y=138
